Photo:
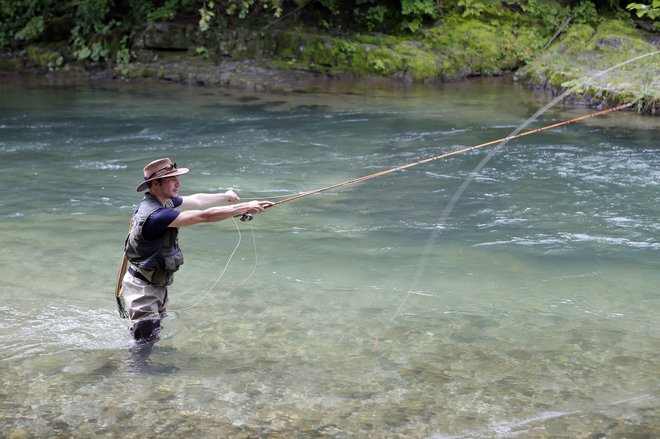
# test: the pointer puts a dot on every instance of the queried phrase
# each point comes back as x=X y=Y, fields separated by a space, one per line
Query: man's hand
x=231 y=196
x=257 y=206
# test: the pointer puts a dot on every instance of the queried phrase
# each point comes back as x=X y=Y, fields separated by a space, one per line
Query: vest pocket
x=172 y=261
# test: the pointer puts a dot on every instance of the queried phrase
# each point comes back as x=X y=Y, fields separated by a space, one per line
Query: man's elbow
x=190 y=218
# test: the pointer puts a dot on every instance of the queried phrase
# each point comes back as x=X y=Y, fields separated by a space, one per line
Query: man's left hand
x=231 y=196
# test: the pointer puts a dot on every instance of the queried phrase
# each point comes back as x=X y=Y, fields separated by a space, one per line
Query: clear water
x=531 y=311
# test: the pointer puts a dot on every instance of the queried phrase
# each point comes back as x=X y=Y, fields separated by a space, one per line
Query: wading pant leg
x=145 y=304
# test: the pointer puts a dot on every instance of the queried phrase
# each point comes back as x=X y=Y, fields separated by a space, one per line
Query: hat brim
x=145 y=183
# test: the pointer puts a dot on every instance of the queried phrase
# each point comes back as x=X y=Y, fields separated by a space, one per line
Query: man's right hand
x=258 y=206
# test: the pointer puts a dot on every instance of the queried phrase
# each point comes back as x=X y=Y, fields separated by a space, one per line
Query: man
x=152 y=246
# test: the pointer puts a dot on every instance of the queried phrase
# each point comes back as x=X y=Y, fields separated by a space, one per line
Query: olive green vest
x=157 y=260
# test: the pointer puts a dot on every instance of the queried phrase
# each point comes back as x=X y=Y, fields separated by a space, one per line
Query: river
x=528 y=309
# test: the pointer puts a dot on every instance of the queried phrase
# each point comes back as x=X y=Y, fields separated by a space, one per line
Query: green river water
x=531 y=309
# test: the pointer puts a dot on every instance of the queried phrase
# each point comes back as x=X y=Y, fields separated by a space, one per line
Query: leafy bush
x=415 y=12
x=101 y=30
x=24 y=20
x=651 y=10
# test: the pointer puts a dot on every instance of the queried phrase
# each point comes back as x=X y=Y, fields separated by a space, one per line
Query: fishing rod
x=248 y=217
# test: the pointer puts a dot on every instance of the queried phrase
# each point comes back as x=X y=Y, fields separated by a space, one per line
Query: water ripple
x=54 y=329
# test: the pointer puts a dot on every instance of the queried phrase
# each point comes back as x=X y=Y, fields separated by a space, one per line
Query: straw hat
x=160 y=168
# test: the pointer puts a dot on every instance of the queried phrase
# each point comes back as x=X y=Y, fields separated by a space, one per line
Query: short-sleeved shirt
x=156 y=225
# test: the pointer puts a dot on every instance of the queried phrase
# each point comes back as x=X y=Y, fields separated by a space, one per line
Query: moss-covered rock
x=469 y=49
x=611 y=64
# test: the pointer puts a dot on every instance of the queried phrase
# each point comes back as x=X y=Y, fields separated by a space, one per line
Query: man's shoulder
x=157 y=223
x=174 y=202
x=170 y=202
x=169 y=210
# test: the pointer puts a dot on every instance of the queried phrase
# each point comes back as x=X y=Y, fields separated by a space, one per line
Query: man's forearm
x=210 y=215
x=202 y=200
x=213 y=214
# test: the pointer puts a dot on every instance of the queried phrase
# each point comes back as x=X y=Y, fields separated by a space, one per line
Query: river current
x=530 y=309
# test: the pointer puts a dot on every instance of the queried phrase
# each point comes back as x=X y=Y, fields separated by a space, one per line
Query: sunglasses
x=165 y=169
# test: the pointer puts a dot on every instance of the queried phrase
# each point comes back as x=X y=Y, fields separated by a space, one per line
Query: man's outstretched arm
x=201 y=201
x=214 y=214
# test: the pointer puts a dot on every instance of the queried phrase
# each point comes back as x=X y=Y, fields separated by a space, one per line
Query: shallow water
x=530 y=311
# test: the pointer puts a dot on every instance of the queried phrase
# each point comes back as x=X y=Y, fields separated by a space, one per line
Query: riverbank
x=295 y=60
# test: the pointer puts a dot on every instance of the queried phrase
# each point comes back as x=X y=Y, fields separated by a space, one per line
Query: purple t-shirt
x=156 y=225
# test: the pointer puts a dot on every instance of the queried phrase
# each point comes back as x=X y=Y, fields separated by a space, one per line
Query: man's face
x=167 y=187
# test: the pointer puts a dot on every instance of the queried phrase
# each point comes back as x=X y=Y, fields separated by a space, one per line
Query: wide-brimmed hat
x=160 y=168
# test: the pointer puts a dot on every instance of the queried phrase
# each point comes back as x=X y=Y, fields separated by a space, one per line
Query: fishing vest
x=157 y=260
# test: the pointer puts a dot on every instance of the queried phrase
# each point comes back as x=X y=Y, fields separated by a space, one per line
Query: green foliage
x=499 y=8
x=202 y=52
x=530 y=42
x=407 y=16
x=331 y=6
x=347 y=48
x=243 y=8
x=373 y=17
x=91 y=14
x=206 y=16
x=33 y=29
x=168 y=10
x=164 y=13
x=90 y=34
x=44 y=58
x=548 y=14
x=216 y=13
x=377 y=65
x=23 y=20
x=415 y=12
x=123 y=57
x=652 y=10
x=482 y=36
x=471 y=8
x=585 y=13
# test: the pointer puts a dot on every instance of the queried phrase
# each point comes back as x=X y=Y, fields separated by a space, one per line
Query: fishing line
x=222 y=273
x=256 y=257
x=424 y=259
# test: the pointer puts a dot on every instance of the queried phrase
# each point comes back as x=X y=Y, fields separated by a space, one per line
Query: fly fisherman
x=152 y=247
